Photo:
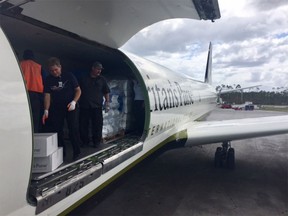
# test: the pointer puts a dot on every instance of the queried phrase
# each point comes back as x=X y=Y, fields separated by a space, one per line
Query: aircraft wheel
x=218 y=157
x=231 y=158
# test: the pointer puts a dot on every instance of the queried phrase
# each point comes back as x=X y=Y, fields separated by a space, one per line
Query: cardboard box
x=48 y=163
x=44 y=144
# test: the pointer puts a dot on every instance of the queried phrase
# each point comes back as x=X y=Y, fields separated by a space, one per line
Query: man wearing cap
x=94 y=88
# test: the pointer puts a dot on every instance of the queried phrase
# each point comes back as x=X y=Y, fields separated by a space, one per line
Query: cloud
x=266 y=5
x=250 y=43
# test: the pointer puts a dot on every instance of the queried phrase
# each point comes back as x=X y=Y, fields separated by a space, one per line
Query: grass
x=274 y=108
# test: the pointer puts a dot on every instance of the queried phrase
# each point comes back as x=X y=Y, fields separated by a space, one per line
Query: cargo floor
x=127 y=139
x=88 y=150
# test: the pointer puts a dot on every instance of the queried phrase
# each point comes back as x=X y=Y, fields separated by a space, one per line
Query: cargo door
x=15 y=132
x=110 y=22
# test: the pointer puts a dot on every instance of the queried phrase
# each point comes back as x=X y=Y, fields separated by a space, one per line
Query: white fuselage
x=174 y=99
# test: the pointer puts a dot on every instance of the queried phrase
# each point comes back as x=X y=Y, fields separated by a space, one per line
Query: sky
x=250 y=44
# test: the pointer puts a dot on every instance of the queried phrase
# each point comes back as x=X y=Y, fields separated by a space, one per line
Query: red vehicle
x=237 y=108
x=226 y=106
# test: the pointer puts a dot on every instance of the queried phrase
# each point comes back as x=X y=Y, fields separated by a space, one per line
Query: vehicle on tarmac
x=226 y=106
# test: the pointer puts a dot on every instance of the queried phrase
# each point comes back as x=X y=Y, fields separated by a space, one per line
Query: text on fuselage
x=171 y=96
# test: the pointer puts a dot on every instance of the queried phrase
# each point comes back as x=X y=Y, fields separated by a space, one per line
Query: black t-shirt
x=61 y=89
x=92 y=91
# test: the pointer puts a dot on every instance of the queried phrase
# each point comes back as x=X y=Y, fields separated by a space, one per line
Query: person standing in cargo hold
x=61 y=93
x=94 y=87
x=33 y=77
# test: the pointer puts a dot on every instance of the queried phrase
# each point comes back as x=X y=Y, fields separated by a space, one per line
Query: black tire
x=218 y=157
x=231 y=158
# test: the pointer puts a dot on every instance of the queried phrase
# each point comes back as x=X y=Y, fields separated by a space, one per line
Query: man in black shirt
x=94 y=87
x=61 y=93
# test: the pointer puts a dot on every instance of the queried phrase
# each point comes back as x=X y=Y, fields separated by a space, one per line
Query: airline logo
x=169 y=96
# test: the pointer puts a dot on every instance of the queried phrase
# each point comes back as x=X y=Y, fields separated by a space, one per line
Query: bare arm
x=77 y=94
x=106 y=96
x=47 y=100
x=107 y=108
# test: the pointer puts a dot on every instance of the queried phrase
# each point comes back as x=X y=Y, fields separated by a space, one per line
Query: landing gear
x=225 y=156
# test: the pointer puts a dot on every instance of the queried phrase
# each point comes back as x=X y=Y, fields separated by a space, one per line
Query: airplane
x=80 y=32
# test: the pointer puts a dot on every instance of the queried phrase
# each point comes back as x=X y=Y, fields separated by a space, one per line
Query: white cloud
x=250 y=43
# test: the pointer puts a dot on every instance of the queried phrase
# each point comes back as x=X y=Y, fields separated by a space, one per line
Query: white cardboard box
x=44 y=144
x=48 y=163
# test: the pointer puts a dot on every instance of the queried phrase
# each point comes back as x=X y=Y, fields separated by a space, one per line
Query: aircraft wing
x=227 y=130
x=109 y=22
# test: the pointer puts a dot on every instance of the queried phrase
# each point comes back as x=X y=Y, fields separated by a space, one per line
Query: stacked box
x=47 y=155
x=49 y=163
x=44 y=144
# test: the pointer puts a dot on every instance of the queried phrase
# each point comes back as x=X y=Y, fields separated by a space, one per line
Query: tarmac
x=184 y=181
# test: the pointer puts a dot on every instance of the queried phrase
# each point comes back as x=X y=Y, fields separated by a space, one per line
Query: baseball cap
x=97 y=65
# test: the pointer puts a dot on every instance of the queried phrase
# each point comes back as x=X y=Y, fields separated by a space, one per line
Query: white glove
x=107 y=108
x=71 y=106
x=45 y=116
